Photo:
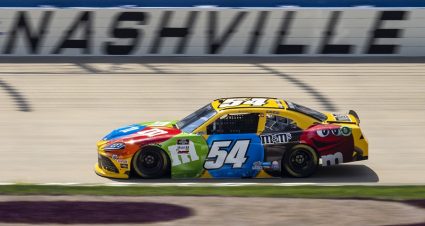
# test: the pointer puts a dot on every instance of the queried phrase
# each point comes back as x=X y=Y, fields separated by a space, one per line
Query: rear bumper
x=360 y=157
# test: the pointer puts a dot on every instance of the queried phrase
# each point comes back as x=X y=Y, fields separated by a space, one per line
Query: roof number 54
x=243 y=101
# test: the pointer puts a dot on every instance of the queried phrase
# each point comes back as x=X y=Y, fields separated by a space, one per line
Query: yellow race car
x=240 y=137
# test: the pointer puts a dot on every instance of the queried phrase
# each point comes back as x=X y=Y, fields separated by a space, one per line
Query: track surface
x=52 y=112
x=206 y=211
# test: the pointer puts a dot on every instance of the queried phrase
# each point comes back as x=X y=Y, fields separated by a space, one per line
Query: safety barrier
x=212 y=31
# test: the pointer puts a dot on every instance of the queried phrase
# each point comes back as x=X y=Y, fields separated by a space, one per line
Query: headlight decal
x=114 y=146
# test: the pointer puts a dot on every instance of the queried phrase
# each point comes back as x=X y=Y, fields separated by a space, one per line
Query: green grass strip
x=375 y=192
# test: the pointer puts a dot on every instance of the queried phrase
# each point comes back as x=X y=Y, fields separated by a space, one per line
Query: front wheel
x=300 y=161
x=151 y=162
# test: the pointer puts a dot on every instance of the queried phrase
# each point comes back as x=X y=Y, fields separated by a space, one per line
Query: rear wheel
x=151 y=162
x=300 y=161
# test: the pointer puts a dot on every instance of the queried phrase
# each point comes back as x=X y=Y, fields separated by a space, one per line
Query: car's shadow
x=332 y=174
x=339 y=174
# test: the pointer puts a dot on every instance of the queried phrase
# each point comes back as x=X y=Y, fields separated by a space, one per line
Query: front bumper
x=104 y=173
x=108 y=167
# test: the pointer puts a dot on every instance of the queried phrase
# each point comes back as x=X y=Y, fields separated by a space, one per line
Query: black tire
x=151 y=162
x=300 y=161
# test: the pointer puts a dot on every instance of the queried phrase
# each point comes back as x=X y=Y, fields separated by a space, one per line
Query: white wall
x=400 y=32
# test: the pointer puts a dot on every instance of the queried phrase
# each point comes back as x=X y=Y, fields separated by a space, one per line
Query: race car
x=240 y=137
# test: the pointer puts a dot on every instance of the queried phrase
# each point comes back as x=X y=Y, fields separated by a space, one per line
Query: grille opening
x=107 y=164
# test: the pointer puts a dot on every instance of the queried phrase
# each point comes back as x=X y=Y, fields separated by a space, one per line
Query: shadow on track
x=340 y=174
x=21 y=102
x=332 y=174
x=79 y=212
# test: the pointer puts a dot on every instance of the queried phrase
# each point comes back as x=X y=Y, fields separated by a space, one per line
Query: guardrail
x=212 y=31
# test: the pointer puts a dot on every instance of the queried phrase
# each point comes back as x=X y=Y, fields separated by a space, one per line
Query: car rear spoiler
x=353 y=113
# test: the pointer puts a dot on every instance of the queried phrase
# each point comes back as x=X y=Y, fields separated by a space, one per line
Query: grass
x=373 y=192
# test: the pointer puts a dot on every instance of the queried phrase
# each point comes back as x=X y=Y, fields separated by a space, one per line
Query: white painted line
x=234 y=184
x=296 y=184
x=61 y=184
x=183 y=184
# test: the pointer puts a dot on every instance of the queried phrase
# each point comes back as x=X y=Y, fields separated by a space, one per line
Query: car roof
x=249 y=102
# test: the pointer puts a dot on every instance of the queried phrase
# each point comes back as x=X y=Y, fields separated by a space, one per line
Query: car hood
x=135 y=129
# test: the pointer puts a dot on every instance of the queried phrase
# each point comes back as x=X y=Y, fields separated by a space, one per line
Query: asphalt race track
x=52 y=111
x=195 y=210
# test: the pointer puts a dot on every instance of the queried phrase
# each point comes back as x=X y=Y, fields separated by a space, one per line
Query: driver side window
x=276 y=123
x=234 y=123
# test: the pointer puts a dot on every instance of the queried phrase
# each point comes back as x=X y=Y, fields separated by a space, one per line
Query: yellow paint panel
x=206 y=174
x=263 y=174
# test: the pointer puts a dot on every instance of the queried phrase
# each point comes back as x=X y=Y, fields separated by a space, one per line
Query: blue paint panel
x=221 y=3
x=254 y=153
x=123 y=131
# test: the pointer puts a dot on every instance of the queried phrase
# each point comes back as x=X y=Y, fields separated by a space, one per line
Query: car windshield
x=307 y=111
x=196 y=119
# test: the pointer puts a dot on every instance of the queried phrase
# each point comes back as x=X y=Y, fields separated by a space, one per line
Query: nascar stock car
x=234 y=138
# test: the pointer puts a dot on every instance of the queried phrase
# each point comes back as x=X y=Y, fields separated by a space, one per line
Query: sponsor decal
x=275 y=165
x=114 y=157
x=124 y=166
x=183 y=141
x=257 y=166
x=342 y=117
x=126 y=130
x=122 y=161
x=123 y=131
x=183 y=146
x=332 y=159
x=152 y=132
x=183 y=152
x=343 y=131
x=276 y=138
x=266 y=165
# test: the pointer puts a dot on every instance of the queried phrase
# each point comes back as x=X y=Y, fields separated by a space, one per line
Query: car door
x=234 y=146
x=279 y=135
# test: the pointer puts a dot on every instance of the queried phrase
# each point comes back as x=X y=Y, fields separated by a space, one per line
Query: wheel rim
x=301 y=161
x=150 y=162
